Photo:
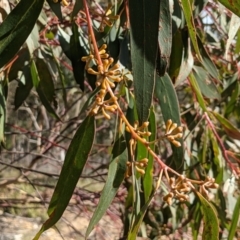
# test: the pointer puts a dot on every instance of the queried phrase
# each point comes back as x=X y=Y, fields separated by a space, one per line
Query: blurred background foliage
x=46 y=94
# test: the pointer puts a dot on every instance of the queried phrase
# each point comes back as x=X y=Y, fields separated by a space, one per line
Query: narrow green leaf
x=90 y=100
x=46 y=84
x=234 y=222
x=16 y=27
x=176 y=55
x=164 y=37
x=77 y=52
x=77 y=7
x=217 y=167
x=197 y=91
x=237 y=47
x=233 y=29
x=228 y=127
x=148 y=177
x=207 y=62
x=205 y=83
x=168 y=101
x=188 y=12
x=44 y=95
x=56 y=8
x=117 y=169
x=211 y=225
x=232 y=5
x=24 y=87
x=138 y=220
x=144 y=20
x=64 y=40
x=231 y=105
x=74 y=163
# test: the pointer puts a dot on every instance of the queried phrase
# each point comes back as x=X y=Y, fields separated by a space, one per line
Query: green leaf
x=207 y=62
x=188 y=12
x=197 y=91
x=232 y=5
x=233 y=29
x=16 y=27
x=56 y=8
x=164 y=37
x=168 y=101
x=76 y=53
x=24 y=87
x=148 y=176
x=117 y=169
x=234 y=222
x=230 y=130
x=64 y=40
x=144 y=20
x=46 y=83
x=74 y=163
x=90 y=99
x=217 y=166
x=77 y=7
x=205 y=83
x=40 y=90
x=211 y=225
x=176 y=55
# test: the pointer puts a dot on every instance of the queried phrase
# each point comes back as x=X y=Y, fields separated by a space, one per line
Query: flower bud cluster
x=138 y=165
x=173 y=132
x=179 y=189
x=106 y=17
x=107 y=77
x=140 y=130
x=209 y=183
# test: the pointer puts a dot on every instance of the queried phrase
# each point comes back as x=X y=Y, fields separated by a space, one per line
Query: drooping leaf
x=25 y=85
x=176 y=55
x=232 y=104
x=234 y=222
x=217 y=166
x=138 y=220
x=211 y=228
x=46 y=84
x=16 y=28
x=74 y=163
x=188 y=12
x=232 y=5
x=205 y=83
x=144 y=19
x=197 y=91
x=164 y=37
x=56 y=8
x=233 y=28
x=76 y=53
x=90 y=99
x=148 y=176
x=228 y=127
x=117 y=169
x=77 y=7
x=168 y=101
x=207 y=62
x=44 y=96
x=32 y=40
x=64 y=40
